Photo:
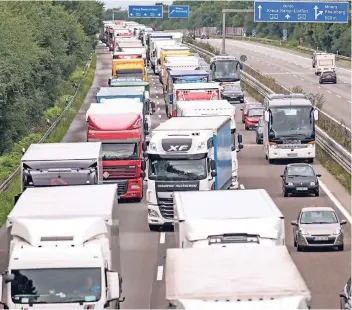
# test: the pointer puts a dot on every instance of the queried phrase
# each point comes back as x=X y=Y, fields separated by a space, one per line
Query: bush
x=7 y=197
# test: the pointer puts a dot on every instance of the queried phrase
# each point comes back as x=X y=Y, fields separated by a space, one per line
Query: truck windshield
x=226 y=71
x=120 y=151
x=292 y=122
x=64 y=285
x=177 y=169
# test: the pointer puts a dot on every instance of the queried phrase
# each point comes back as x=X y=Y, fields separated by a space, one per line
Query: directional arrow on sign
x=287 y=16
x=316 y=14
x=260 y=12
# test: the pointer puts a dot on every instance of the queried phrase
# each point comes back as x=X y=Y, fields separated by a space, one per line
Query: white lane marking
x=242 y=186
x=159 y=116
x=159 y=274
x=302 y=79
x=158 y=109
x=338 y=96
x=319 y=87
x=335 y=201
x=162 y=237
x=329 y=91
x=311 y=83
x=349 y=101
x=157 y=102
x=157 y=97
x=295 y=75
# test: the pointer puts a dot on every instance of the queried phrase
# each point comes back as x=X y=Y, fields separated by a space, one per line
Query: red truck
x=123 y=151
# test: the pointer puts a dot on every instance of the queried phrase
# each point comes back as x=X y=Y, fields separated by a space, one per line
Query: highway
x=295 y=69
x=143 y=252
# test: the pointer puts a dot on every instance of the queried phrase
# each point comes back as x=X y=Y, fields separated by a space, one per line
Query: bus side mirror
x=266 y=116
x=212 y=164
x=316 y=114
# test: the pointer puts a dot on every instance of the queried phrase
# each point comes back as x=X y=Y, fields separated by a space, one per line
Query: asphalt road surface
x=295 y=69
x=143 y=252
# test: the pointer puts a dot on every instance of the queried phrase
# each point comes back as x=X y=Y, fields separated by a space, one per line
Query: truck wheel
x=139 y=199
x=310 y=160
x=154 y=227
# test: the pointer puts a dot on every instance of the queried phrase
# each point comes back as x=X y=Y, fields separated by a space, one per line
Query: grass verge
x=7 y=197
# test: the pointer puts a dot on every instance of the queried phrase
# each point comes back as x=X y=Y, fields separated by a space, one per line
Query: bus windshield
x=292 y=122
x=228 y=71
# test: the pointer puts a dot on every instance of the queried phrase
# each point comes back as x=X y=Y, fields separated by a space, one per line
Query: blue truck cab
x=183 y=77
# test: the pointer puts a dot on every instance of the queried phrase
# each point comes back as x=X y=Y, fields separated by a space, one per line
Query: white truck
x=182 y=62
x=155 y=47
x=227 y=218
x=253 y=278
x=63 y=249
x=323 y=62
x=186 y=154
x=213 y=108
x=59 y=164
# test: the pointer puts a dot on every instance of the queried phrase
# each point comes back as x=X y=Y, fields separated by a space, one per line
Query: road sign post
x=254 y=33
x=284 y=35
x=301 y=12
x=178 y=11
x=145 y=11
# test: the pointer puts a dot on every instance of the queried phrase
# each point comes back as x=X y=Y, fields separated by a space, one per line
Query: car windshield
x=318 y=217
x=64 y=285
x=255 y=112
x=119 y=151
x=328 y=73
x=232 y=88
x=302 y=171
x=180 y=169
x=250 y=106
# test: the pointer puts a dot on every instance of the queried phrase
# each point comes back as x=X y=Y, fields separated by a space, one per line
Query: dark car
x=346 y=296
x=232 y=93
x=300 y=179
x=259 y=132
x=328 y=77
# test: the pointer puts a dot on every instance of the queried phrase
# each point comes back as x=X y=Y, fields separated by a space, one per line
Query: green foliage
x=42 y=43
x=7 y=197
x=329 y=37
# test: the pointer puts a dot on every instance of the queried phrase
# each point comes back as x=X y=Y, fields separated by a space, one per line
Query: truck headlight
x=135 y=186
x=152 y=213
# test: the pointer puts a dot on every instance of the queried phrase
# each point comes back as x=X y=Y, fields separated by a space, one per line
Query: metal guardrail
x=329 y=145
x=265 y=40
x=4 y=185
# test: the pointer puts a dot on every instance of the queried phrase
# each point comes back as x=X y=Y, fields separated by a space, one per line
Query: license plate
x=292 y=155
x=302 y=188
x=320 y=238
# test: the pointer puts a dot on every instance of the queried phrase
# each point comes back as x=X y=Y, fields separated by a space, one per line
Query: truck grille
x=122 y=187
x=166 y=207
x=122 y=172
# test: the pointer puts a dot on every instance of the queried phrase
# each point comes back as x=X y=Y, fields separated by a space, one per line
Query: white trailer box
x=58 y=164
x=227 y=218
x=226 y=275
x=60 y=238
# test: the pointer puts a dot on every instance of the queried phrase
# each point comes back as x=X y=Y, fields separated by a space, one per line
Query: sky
x=110 y=4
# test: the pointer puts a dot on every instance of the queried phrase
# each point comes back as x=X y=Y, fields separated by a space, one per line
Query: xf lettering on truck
x=178 y=148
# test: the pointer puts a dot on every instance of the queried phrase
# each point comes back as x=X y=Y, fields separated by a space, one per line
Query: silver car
x=318 y=227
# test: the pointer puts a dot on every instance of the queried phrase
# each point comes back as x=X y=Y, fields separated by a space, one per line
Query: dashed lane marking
x=159 y=274
x=242 y=186
x=162 y=237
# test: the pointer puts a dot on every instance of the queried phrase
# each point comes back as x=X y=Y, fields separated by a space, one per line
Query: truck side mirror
x=142 y=175
x=114 y=289
x=213 y=173
x=143 y=165
x=212 y=164
x=23 y=151
x=144 y=146
x=316 y=114
x=239 y=139
x=145 y=126
x=16 y=199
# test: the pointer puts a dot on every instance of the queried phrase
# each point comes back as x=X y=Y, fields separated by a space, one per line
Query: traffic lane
x=139 y=246
x=264 y=52
x=325 y=272
x=289 y=74
x=77 y=131
x=158 y=97
x=3 y=249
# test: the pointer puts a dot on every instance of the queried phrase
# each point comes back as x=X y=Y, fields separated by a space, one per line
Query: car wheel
x=285 y=193
x=154 y=227
x=242 y=101
x=320 y=82
x=295 y=243
x=317 y=193
x=243 y=121
x=256 y=140
x=245 y=128
x=299 y=248
x=335 y=82
x=340 y=247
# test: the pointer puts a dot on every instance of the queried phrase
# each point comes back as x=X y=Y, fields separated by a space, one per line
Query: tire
x=310 y=160
x=139 y=199
x=320 y=82
x=242 y=101
x=285 y=193
x=256 y=140
x=299 y=248
x=271 y=161
x=154 y=227
x=335 y=82
x=295 y=243
x=245 y=127
x=242 y=121
x=340 y=248
x=317 y=194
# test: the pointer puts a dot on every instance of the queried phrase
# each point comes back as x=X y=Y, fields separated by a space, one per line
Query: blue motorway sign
x=178 y=11
x=301 y=12
x=145 y=11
